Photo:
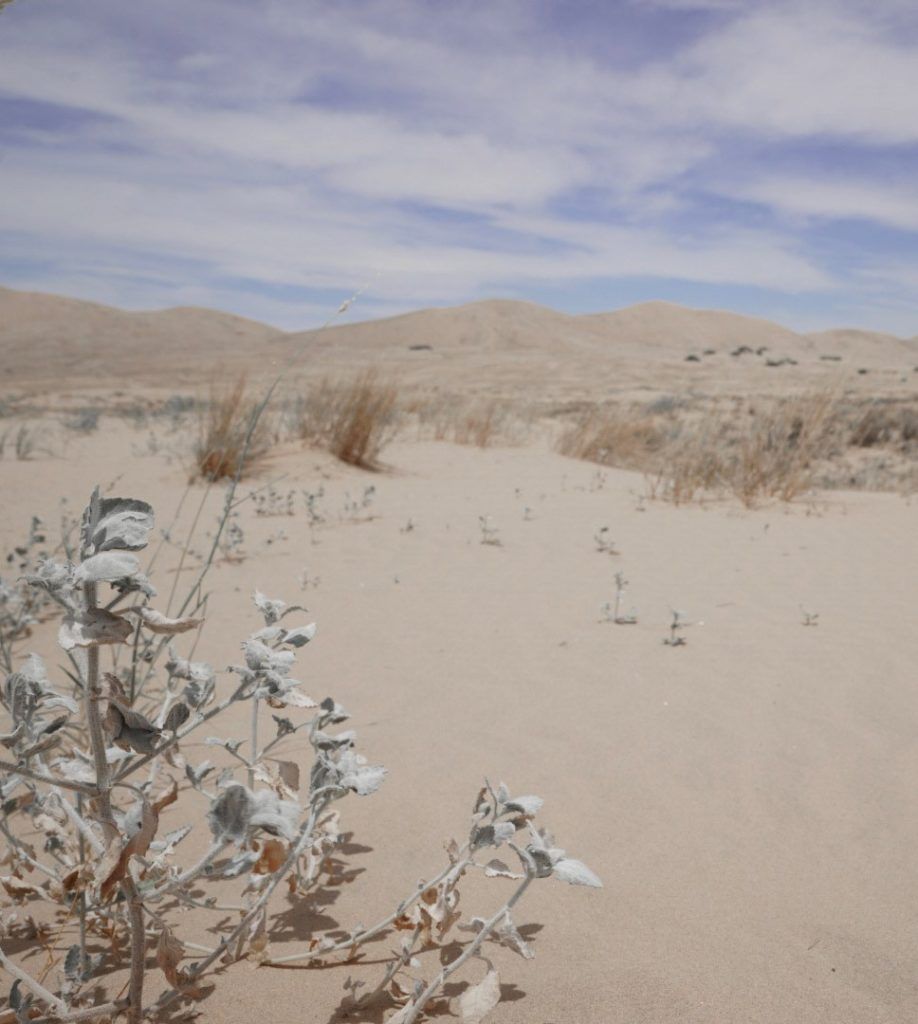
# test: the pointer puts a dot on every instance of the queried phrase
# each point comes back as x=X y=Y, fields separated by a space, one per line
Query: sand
x=492 y=349
x=748 y=798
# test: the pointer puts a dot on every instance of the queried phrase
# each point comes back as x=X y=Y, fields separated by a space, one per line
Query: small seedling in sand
x=528 y=514
x=272 y=502
x=307 y=581
x=604 y=543
x=312 y=499
x=809 y=618
x=675 y=639
x=619 y=618
x=409 y=527
x=232 y=540
x=488 y=532
x=354 y=509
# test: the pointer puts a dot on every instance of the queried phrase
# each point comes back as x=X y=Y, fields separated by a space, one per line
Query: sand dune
x=46 y=337
x=501 y=347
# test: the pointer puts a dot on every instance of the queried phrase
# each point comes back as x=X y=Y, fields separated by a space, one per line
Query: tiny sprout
x=488 y=532
x=604 y=543
x=621 y=585
x=353 y=507
x=674 y=640
x=809 y=618
x=307 y=581
x=408 y=527
x=527 y=514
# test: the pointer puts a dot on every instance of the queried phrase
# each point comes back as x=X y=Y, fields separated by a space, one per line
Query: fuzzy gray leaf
x=230 y=813
x=271 y=609
x=73 y=963
x=498 y=869
x=92 y=628
x=332 y=713
x=284 y=726
x=177 y=716
x=241 y=863
x=129 y=729
x=195 y=775
x=359 y=776
x=156 y=622
x=528 y=806
x=109 y=565
x=492 y=835
x=574 y=872
x=124 y=523
x=477 y=1001
x=74 y=769
x=170 y=840
x=277 y=817
x=300 y=636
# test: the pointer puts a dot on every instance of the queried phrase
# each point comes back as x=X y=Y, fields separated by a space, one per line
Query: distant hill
x=46 y=336
x=496 y=347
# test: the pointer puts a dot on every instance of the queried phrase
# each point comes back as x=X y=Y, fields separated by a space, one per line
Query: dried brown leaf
x=169 y=953
x=273 y=856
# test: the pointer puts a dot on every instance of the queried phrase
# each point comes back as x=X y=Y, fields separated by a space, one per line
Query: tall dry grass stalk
x=223 y=427
x=353 y=419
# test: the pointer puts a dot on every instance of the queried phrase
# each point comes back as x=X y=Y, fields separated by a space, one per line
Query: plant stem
x=253 y=760
x=368 y=933
x=467 y=953
x=189 y=875
x=87 y=1013
x=35 y=987
x=78 y=787
x=81 y=905
x=93 y=694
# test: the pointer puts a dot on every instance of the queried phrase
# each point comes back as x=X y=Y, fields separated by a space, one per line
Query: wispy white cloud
x=891 y=204
x=460 y=151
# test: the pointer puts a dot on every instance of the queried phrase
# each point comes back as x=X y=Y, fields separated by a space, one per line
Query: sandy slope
x=749 y=799
x=500 y=348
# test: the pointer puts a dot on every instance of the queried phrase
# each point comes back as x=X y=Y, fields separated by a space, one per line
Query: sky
x=273 y=157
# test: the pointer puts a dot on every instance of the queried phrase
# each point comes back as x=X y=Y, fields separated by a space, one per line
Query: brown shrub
x=227 y=441
x=354 y=420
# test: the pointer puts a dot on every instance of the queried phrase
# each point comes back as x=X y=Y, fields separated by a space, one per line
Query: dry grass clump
x=615 y=436
x=354 y=420
x=766 y=453
x=481 y=422
x=888 y=424
x=227 y=442
x=753 y=452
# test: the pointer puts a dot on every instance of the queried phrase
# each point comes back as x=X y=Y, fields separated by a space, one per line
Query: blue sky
x=270 y=157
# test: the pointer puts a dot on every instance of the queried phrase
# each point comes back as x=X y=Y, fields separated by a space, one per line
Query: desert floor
x=749 y=798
